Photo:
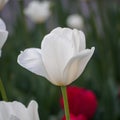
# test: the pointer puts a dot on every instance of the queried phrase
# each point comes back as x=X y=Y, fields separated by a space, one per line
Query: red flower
x=79 y=117
x=81 y=101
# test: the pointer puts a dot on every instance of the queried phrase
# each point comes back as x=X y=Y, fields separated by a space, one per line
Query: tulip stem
x=2 y=90
x=65 y=99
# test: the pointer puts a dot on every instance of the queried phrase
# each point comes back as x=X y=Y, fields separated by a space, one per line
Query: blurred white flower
x=17 y=111
x=3 y=34
x=62 y=58
x=38 y=11
x=75 y=21
x=2 y=3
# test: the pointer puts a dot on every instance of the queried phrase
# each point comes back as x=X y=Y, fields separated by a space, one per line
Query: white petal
x=76 y=65
x=57 y=49
x=31 y=59
x=0 y=53
x=5 y=110
x=2 y=25
x=3 y=33
x=74 y=37
x=17 y=111
x=1 y=116
x=79 y=40
x=75 y=21
x=10 y=109
x=33 y=110
x=13 y=117
x=65 y=33
x=42 y=7
x=3 y=37
x=20 y=111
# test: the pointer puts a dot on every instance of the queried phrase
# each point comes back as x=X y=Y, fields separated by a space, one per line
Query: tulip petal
x=0 y=53
x=75 y=37
x=3 y=37
x=12 y=117
x=33 y=110
x=42 y=7
x=17 y=111
x=12 y=110
x=31 y=59
x=56 y=51
x=3 y=33
x=2 y=25
x=5 y=111
x=79 y=40
x=20 y=111
x=76 y=65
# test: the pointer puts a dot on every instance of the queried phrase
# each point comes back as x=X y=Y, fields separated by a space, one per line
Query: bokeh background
x=102 y=74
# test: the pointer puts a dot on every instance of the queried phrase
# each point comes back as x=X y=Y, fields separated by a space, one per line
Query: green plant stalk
x=2 y=90
x=65 y=99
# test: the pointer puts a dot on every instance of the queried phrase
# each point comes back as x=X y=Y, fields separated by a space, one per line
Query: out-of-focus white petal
x=43 y=8
x=5 y=110
x=75 y=21
x=0 y=53
x=76 y=65
x=31 y=59
x=3 y=38
x=2 y=25
x=3 y=34
x=13 y=109
x=20 y=111
x=57 y=49
x=17 y=111
x=33 y=110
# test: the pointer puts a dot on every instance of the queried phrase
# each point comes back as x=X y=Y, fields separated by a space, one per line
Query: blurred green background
x=102 y=74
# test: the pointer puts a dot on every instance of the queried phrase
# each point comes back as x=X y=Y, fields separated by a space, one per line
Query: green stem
x=65 y=99
x=2 y=90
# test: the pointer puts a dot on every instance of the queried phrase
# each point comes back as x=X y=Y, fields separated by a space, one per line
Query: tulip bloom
x=81 y=102
x=62 y=58
x=17 y=111
x=75 y=21
x=3 y=34
x=38 y=11
x=2 y=3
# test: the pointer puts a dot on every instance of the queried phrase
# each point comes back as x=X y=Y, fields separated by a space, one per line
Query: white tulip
x=3 y=34
x=17 y=111
x=62 y=58
x=75 y=21
x=2 y=3
x=38 y=11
